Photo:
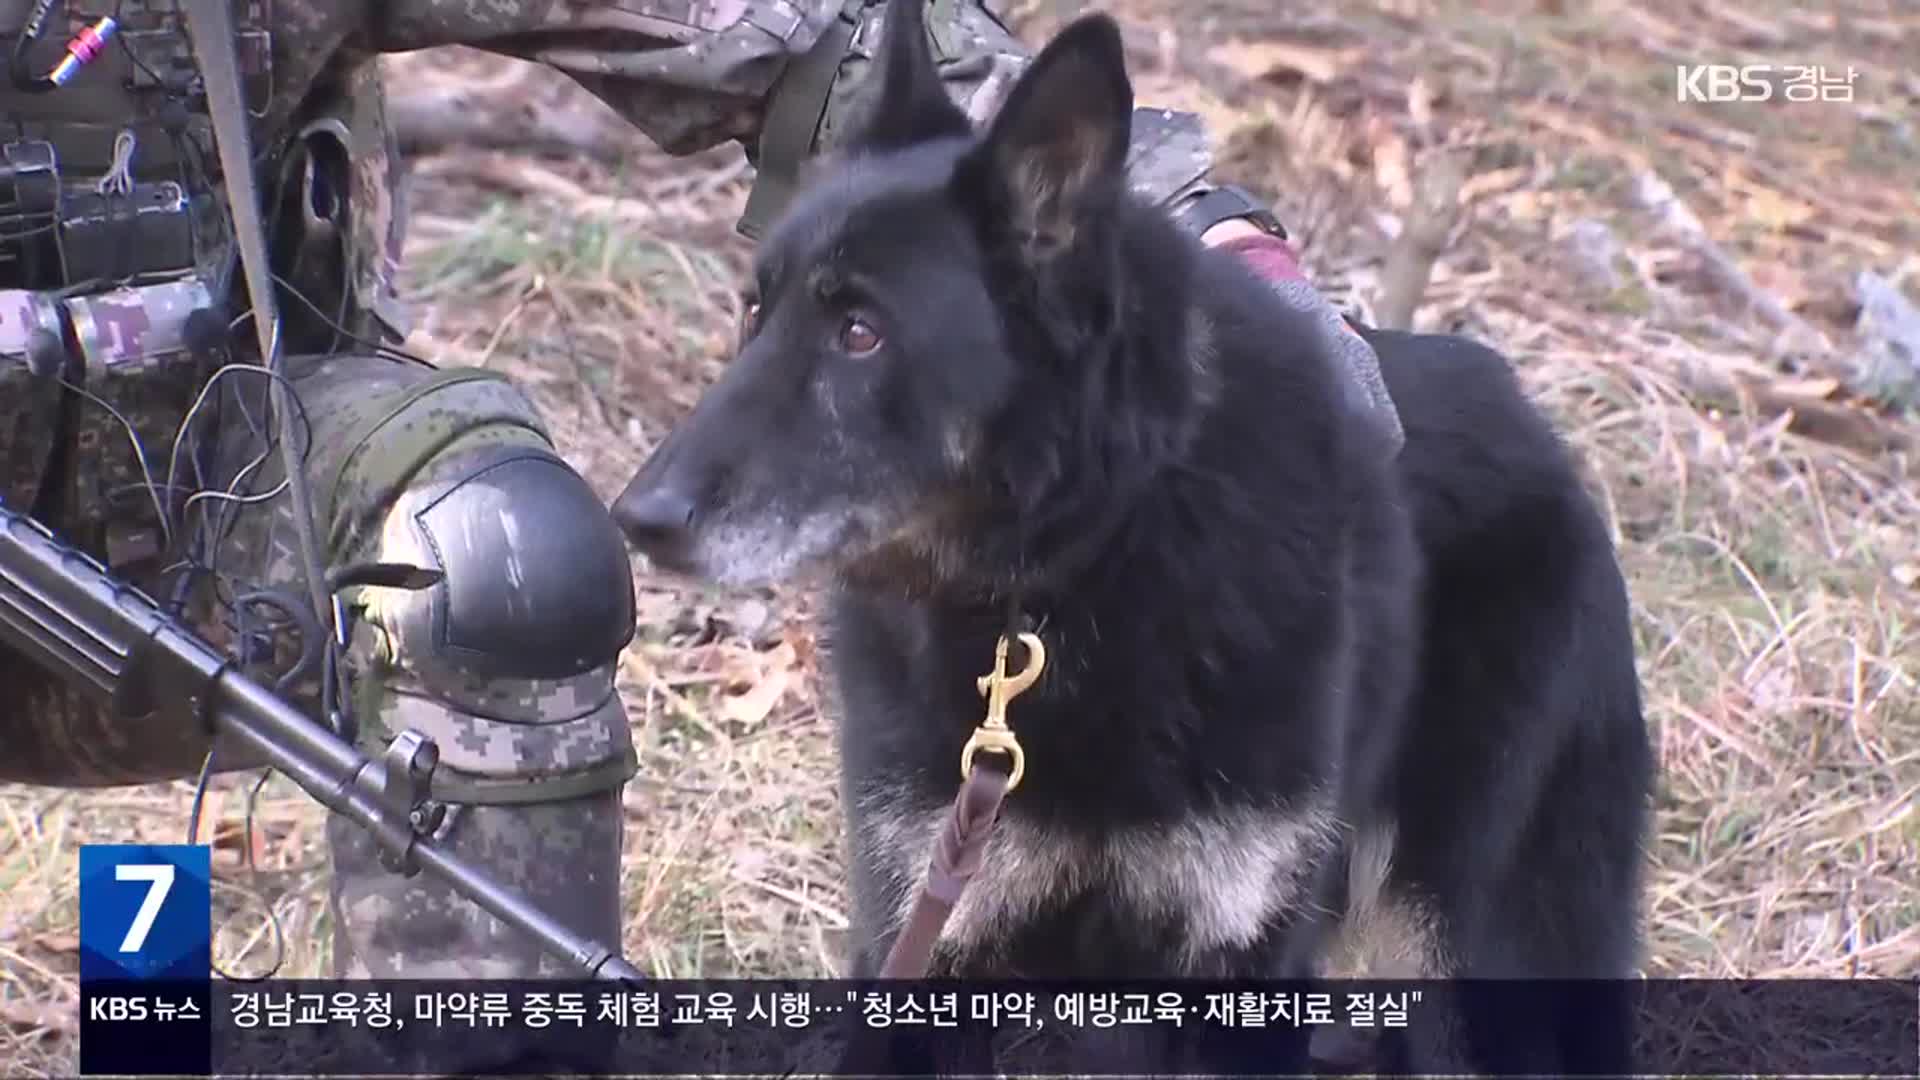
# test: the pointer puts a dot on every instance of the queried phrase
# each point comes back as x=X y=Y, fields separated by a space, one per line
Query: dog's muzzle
x=657 y=519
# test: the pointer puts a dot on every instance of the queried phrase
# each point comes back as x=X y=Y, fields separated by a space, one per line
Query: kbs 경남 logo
x=1761 y=82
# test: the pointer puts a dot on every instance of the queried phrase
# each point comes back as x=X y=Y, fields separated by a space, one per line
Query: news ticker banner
x=149 y=1006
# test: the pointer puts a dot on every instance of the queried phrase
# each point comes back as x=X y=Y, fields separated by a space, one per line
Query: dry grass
x=1773 y=573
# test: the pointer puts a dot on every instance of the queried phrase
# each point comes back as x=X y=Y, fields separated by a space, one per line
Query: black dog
x=1285 y=673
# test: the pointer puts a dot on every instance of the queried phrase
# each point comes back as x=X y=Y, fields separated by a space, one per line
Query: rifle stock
x=68 y=613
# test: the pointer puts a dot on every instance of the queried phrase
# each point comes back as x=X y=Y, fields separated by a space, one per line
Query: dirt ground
x=1678 y=283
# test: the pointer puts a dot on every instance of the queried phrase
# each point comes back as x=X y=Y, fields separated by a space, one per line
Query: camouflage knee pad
x=507 y=663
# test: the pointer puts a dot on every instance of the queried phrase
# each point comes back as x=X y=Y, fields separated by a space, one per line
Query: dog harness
x=1273 y=259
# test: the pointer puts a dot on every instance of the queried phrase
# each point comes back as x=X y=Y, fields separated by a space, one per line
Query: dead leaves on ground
x=740 y=666
x=29 y=1018
x=237 y=841
x=1754 y=227
x=1273 y=57
x=756 y=682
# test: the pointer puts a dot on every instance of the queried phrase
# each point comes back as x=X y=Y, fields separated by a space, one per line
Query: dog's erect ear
x=910 y=104
x=1060 y=140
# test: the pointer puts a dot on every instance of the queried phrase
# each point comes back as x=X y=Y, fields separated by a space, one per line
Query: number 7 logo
x=159 y=879
x=145 y=911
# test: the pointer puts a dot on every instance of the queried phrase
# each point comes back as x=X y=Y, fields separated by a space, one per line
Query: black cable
x=219 y=535
x=134 y=57
x=202 y=548
x=310 y=633
x=330 y=659
x=253 y=868
x=211 y=538
x=346 y=294
x=30 y=31
x=32 y=232
x=139 y=453
x=89 y=286
x=207 y=394
x=388 y=351
x=199 y=794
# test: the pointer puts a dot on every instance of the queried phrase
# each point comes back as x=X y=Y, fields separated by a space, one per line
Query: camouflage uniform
x=508 y=664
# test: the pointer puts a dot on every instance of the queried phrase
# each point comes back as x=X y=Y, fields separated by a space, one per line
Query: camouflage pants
x=451 y=470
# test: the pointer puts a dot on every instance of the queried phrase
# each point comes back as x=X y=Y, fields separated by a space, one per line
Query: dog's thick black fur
x=1285 y=671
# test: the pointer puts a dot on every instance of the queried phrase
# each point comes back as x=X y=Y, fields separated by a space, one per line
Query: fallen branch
x=1804 y=401
x=1658 y=197
x=635 y=205
x=1430 y=220
x=30 y=1017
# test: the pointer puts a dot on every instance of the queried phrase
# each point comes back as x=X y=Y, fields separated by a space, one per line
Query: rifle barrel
x=325 y=767
x=68 y=613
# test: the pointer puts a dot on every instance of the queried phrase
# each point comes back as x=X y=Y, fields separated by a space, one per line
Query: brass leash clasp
x=999 y=688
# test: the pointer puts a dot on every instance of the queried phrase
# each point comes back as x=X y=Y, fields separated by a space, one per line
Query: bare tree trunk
x=1429 y=221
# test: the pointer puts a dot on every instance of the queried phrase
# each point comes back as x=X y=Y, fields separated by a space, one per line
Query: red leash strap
x=957 y=855
x=961 y=846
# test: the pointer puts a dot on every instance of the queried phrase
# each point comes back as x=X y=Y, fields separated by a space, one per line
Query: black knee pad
x=508 y=661
x=537 y=583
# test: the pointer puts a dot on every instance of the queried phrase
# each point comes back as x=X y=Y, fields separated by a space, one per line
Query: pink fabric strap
x=1270 y=256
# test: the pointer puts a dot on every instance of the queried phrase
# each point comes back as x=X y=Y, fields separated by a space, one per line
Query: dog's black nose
x=654 y=517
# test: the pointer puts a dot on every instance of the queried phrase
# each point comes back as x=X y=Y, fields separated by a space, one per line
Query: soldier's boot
x=507 y=663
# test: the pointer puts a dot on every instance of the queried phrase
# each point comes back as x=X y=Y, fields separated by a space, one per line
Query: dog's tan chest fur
x=1384 y=933
x=1222 y=877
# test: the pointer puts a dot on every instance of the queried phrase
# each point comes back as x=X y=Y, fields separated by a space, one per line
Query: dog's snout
x=657 y=519
x=653 y=514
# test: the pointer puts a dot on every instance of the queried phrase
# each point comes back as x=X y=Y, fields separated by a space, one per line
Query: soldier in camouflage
x=508 y=662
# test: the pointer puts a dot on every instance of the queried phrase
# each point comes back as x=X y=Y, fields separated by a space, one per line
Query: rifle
x=67 y=612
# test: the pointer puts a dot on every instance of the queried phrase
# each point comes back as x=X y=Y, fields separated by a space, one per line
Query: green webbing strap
x=793 y=117
x=398 y=461
x=458 y=788
x=504 y=791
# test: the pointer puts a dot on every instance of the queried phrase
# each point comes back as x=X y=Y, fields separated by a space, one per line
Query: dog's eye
x=858 y=337
x=749 y=322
